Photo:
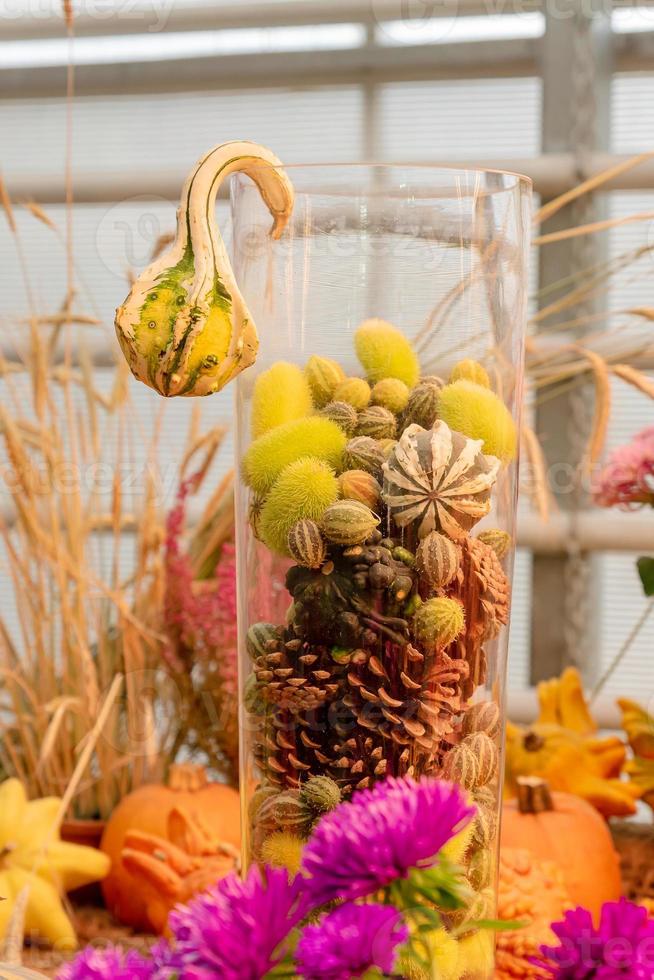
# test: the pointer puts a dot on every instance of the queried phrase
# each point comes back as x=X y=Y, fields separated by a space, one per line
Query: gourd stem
x=534 y=795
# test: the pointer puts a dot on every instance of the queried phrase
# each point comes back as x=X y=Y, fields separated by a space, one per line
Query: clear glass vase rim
x=520 y=180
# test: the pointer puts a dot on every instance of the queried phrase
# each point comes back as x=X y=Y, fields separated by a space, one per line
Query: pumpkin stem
x=187 y=778
x=534 y=795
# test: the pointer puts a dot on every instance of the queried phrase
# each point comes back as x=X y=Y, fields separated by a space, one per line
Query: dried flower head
x=438 y=480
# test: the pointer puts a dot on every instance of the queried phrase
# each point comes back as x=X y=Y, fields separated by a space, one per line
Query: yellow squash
x=33 y=858
x=563 y=748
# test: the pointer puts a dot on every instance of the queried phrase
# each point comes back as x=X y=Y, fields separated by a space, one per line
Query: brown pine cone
x=296 y=677
x=408 y=699
x=483 y=588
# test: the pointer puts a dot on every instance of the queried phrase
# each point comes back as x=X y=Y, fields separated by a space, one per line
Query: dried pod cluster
x=392 y=600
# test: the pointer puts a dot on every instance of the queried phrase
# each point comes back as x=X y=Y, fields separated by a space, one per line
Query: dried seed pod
x=259 y=636
x=438 y=480
x=343 y=414
x=438 y=622
x=499 y=541
x=306 y=544
x=364 y=453
x=284 y=811
x=484 y=830
x=422 y=407
x=376 y=422
x=387 y=446
x=404 y=555
x=348 y=522
x=361 y=486
x=354 y=391
x=485 y=751
x=324 y=377
x=320 y=793
x=482 y=717
x=481 y=869
x=437 y=559
x=391 y=393
x=461 y=766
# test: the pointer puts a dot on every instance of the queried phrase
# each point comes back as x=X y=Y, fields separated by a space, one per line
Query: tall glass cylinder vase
x=377 y=438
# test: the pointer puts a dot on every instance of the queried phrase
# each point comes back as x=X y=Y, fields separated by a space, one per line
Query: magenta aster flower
x=109 y=963
x=627 y=480
x=621 y=948
x=236 y=930
x=351 y=940
x=380 y=836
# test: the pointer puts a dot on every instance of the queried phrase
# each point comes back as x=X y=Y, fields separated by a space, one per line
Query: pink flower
x=627 y=480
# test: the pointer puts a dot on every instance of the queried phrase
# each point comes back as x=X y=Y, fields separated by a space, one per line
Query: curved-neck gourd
x=185 y=328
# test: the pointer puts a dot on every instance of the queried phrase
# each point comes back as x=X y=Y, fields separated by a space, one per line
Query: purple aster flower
x=381 y=835
x=621 y=947
x=109 y=963
x=351 y=940
x=236 y=930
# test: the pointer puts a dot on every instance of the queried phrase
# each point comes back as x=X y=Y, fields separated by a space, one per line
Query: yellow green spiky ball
x=283 y=850
x=272 y=452
x=391 y=393
x=478 y=413
x=439 y=621
x=304 y=489
x=385 y=352
x=471 y=371
x=354 y=392
x=281 y=394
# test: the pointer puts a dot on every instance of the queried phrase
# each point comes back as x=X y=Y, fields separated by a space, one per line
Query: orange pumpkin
x=148 y=810
x=569 y=831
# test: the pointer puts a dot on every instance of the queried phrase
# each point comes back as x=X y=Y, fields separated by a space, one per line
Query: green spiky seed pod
x=499 y=541
x=283 y=850
x=343 y=414
x=482 y=717
x=361 y=486
x=364 y=453
x=348 y=522
x=437 y=559
x=485 y=751
x=478 y=413
x=306 y=545
x=461 y=766
x=471 y=371
x=354 y=391
x=390 y=393
x=305 y=489
x=281 y=394
x=258 y=636
x=275 y=450
x=320 y=793
x=385 y=352
x=438 y=622
x=422 y=407
x=376 y=422
x=324 y=376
